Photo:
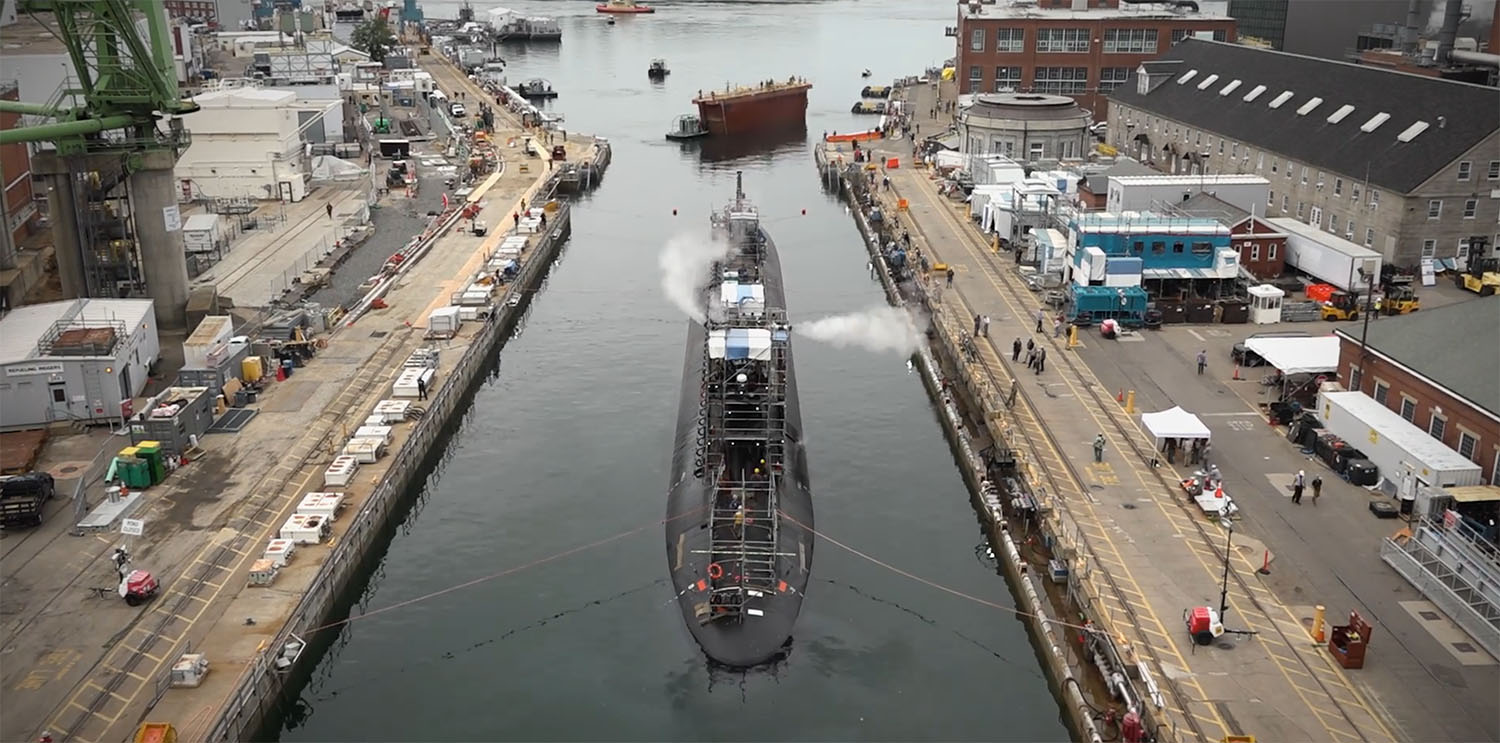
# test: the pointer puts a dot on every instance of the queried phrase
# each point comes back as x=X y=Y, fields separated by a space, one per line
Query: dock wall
x=262 y=685
x=955 y=400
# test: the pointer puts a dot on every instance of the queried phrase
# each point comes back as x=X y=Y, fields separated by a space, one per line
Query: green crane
x=125 y=82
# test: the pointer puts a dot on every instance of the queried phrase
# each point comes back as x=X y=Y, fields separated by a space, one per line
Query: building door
x=285 y=187
x=125 y=382
x=58 y=394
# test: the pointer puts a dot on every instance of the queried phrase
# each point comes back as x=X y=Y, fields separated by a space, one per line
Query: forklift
x=1483 y=273
x=1341 y=305
x=1400 y=299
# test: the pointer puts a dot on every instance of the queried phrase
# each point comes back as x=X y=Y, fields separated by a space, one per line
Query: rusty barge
x=769 y=105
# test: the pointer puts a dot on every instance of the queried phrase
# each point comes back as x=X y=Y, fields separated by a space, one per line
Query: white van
x=456 y=110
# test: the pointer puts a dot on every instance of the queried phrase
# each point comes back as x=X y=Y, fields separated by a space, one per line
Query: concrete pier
x=88 y=669
x=1142 y=553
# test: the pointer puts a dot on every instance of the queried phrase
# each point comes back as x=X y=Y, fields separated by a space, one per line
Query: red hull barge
x=767 y=106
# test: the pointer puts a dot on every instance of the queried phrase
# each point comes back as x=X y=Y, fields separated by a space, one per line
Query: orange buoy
x=715 y=571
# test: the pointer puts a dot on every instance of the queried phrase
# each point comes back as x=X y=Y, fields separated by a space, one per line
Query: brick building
x=19 y=211
x=1436 y=369
x=1407 y=166
x=1262 y=245
x=1078 y=48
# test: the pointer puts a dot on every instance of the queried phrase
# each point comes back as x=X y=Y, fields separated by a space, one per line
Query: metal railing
x=1427 y=574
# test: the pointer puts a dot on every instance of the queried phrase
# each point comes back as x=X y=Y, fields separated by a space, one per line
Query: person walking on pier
x=1041 y=317
x=1015 y=350
x=1057 y=326
x=984 y=327
x=977 y=320
x=950 y=277
x=1099 y=448
x=1041 y=360
x=421 y=389
x=1202 y=361
x=1317 y=485
x=1297 y=483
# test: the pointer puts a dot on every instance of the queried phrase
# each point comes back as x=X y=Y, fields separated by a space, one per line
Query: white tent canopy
x=1175 y=424
x=1298 y=355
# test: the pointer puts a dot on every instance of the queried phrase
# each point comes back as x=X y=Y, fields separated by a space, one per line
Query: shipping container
x=1328 y=257
x=1406 y=455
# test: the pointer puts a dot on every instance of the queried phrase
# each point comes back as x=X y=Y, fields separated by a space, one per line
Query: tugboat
x=685 y=127
x=739 y=528
x=658 y=69
x=536 y=88
x=623 y=7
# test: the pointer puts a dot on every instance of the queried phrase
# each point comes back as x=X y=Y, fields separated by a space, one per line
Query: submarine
x=739 y=525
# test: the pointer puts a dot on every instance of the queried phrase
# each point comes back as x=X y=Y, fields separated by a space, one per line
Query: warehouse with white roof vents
x=1406 y=165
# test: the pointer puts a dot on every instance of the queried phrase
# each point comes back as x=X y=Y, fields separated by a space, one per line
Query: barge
x=739 y=526
x=768 y=105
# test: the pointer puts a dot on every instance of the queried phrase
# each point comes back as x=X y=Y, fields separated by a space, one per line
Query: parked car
x=457 y=110
x=1243 y=356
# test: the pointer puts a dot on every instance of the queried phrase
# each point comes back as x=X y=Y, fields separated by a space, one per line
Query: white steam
x=877 y=329
x=685 y=261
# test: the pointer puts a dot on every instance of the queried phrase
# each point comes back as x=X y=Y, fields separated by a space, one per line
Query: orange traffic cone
x=1120 y=396
x=1236 y=372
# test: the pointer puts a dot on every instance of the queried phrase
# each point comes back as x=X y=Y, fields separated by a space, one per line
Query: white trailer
x=1406 y=455
x=1327 y=256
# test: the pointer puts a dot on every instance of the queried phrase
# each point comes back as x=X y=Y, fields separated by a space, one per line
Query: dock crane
x=106 y=130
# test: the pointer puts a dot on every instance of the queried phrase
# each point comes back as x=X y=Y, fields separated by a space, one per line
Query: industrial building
x=78 y=360
x=247 y=143
x=1262 y=245
x=1024 y=126
x=1403 y=164
x=1078 y=48
x=1434 y=368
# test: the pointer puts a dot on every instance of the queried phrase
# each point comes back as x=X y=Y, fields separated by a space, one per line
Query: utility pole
x=1366 y=271
x=1224 y=584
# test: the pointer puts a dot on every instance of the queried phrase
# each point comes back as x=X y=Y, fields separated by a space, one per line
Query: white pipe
x=1484 y=58
x=385 y=284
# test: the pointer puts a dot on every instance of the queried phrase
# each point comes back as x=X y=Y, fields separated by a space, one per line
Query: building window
x=1270 y=198
x=1408 y=409
x=1158 y=247
x=1355 y=377
x=1178 y=34
x=1203 y=248
x=1369 y=236
x=1130 y=41
x=1464 y=166
x=1471 y=206
x=1274 y=164
x=1007 y=78
x=1494 y=170
x=1437 y=427
x=1434 y=208
x=1304 y=175
x=1038 y=150
x=1315 y=216
x=1061 y=80
x=1333 y=223
x=1010 y=40
x=1112 y=77
x=1062 y=40
x=1338 y=187
x=1254 y=252
x=976 y=40
x=1178 y=247
x=1260 y=162
x=1221 y=35
x=1382 y=391
x=1429 y=248
x=1286 y=201
x=1463 y=248
x=976 y=79
x=1467 y=445
x=1271 y=251
x=1234 y=150
x=1354 y=192
x=1374 y=199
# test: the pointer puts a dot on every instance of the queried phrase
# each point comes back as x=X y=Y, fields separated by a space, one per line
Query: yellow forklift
x=1400 y=299
x=1483 y=273
x=1341 y=305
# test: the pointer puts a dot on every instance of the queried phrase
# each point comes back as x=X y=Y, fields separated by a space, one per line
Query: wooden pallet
x=20 y=450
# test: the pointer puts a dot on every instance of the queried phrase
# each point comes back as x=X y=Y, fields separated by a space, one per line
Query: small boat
x=864 y=136
x=536 y=88
x=623 y=7
x=658 y=69
x=866 y=73
x=876 y=91
x=685 y=127
x=610 y=21
x=868 y=107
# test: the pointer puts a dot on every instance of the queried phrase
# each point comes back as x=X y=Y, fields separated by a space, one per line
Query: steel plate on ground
x=232 y=421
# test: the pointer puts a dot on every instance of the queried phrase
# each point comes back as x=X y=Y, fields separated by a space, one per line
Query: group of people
x=1196 y=450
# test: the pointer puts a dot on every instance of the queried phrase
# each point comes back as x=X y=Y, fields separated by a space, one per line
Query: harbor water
x=543 y=513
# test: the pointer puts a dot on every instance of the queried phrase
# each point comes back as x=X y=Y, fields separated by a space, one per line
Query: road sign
x=133 y=527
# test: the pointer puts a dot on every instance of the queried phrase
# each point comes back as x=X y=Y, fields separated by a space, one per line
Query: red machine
x=1203 y=624
x=138 y=587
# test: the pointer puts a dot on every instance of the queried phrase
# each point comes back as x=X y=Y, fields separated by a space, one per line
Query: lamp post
x=1367 y=272
x=1224 y=583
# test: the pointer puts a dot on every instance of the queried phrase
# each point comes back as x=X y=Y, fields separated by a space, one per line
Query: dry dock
x=85 y=668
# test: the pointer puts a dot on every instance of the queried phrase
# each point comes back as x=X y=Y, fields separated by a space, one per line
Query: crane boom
x=125 y=81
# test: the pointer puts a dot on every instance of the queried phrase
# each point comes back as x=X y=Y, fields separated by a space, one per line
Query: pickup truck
x=22 y=498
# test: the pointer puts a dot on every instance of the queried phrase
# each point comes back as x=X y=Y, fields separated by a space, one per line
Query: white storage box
x=321 y=504
x=263 y=572
x=388 y=412
x=422 y=358
x=514 y=244
x=304 y=529
x=340 y=471
x=374 y=432
x=444 y=321
x=280 y=551
x=474 y=314
x=366 y=451
x=406 y=383
x=529 y=226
